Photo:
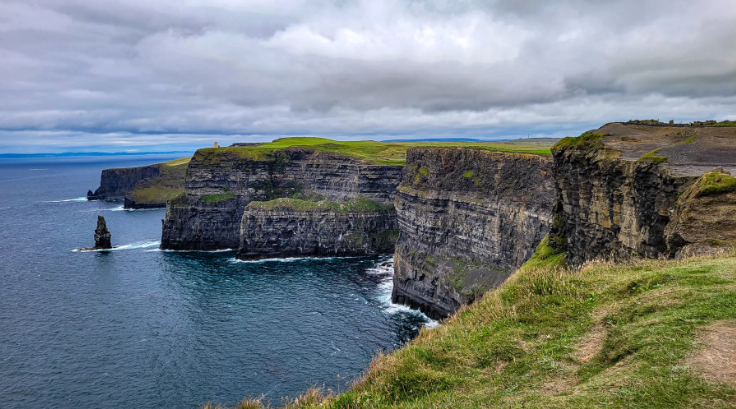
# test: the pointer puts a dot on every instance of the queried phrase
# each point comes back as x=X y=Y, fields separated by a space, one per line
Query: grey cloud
x=358 y=67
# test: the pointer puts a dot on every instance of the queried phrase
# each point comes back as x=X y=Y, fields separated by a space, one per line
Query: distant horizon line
x=63 y=154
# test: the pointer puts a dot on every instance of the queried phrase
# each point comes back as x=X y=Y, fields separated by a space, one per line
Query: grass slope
x=384 y=153
x=613 y=336
x=359 y=204
x=163 y=187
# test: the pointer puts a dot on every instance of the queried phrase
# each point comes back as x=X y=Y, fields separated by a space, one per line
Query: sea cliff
x=220 y=183
x=118 y=182
x=144 y=186
x=468 y=218
x=618 y=187
x=299 y=228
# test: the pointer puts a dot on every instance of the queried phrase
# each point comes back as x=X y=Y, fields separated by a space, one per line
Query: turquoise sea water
x=142 y=328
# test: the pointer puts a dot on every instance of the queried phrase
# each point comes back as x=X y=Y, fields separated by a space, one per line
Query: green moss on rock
x=217 y=198
x=359 y=204
x=716 y=183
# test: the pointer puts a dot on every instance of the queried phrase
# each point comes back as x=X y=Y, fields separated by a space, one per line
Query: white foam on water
x=385 y=288
x=137 y=245
x=191 y=251
x=111 y=209
x=75 y=200
x=37 y=169
x=285 y=260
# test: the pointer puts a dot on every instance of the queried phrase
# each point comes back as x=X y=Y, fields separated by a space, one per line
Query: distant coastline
x=75 y=154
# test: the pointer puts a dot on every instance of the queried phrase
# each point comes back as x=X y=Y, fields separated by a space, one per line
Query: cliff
x=116 y=183
x=156 y=191
x=202 y=223
x=221 y=182
x=468 y=218
x=617 y=187
x=300 y=228
x=703 y=221
x=144 y=186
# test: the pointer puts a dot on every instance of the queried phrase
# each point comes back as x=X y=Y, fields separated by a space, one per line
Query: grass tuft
x=717 y=183
x=653 y=157
x=359 y=204
x=217 y=198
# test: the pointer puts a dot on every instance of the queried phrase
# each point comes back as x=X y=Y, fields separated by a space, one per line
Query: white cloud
x=351 y=68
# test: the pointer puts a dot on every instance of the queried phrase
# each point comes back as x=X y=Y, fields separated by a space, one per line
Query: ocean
x=138 y=327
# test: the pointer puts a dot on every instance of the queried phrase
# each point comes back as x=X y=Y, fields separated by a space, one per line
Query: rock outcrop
x=468 y=218
x=202 y=223
x=116 y=183
x=142 y=187
x=221 y=182
x=102 y=235
x=285 y=228
x=703 y=221
x=617 y=188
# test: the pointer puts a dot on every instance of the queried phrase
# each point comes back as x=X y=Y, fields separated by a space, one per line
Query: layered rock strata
x=115 y=184
x=617 y=187
x=225 y=180
x=142 y=187
x=703 y=220
x=194 y=223
x=287 y=231
x=468 y=218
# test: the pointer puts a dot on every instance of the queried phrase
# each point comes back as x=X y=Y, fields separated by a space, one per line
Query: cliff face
x=286 y=232
x=116 y=183
x=261 y=176
x=242 y=175
x=192 y=223
x=468 y=218
x=704 y=217
x=617 y=187
x=142 y=187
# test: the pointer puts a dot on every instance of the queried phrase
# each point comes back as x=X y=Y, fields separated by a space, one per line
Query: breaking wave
x=75 y=200
x=137 y=245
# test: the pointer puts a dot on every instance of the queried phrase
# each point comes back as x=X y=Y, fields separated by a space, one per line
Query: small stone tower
x=217 y=145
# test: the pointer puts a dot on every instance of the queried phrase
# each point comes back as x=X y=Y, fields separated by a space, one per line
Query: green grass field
x=604 y=336
x=384 y=153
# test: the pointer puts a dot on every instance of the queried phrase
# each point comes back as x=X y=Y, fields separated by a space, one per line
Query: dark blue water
x=141 y=328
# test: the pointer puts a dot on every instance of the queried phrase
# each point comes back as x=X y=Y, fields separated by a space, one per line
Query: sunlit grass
x=602 y=336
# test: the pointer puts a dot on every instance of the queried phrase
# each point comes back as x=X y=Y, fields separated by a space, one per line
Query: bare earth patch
x=716 y=360
x=589 y=347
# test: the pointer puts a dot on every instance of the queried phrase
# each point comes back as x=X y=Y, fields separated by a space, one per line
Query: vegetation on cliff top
x=217 y=197
x=716 y=183
x=359 y=204
x=169 y=184
x=653 y=156
x=603 y=336
x=585 y=139
x=383 y=153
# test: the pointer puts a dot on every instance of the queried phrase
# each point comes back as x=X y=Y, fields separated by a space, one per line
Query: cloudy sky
x=157 y=75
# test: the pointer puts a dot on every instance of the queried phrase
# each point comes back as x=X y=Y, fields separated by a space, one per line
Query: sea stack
x=102 y=235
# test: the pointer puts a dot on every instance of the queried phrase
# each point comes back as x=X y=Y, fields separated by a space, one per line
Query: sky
x=163 y=75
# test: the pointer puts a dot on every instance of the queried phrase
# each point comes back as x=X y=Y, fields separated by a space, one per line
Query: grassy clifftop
x=383 y=153
x=167 y=185
x=653 y=334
